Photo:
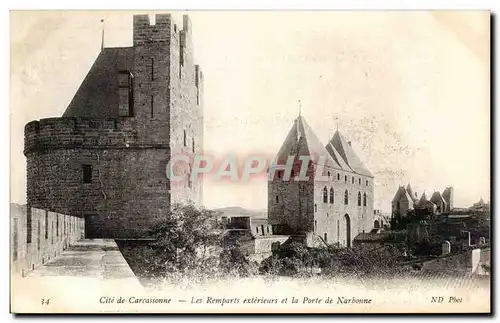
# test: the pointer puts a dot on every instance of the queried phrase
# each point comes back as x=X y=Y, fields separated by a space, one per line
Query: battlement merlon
x=163 y=27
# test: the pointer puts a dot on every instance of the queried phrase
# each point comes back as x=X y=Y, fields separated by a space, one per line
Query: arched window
x=185 y=138
x=329 y=175
x=367 y=183
x=331 y=195
x=359 y=181
x=346 y=197
x=326 y=238
x=277 y=199
x=338 y=176
x=359 y=199
x=192 y=141
x=353 y=179
x=315 y=225
x=315 y=207
x=325 y=195
x=345 y=178
x=364 y=199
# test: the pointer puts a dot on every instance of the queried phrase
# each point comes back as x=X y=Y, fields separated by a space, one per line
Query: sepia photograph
x=281 y=161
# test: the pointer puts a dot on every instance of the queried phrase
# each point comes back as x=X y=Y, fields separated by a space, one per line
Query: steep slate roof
x=447 y=193
x=402 y=192
x=97 y=96
x=301 y=141
x=347 y=153
x=423 y=199
x=423 y=202
x=398 y=194
x=338 y=158
x=411 y=193
x=436 y=197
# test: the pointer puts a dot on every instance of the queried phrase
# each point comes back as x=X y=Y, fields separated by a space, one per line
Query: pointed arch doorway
x=348 y=230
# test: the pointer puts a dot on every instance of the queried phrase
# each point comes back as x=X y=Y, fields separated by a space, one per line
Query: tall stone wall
x=50 y=233
x=128 y=190
x=335 y=218
x=319 y=217
x=291 y=203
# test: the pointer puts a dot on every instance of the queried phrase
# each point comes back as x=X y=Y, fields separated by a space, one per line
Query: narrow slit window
x=46 y=224
x=29 y=226
x=125 y=94
x=152 y=106
x=38 y=235
x=87 y=173
x=152 y=69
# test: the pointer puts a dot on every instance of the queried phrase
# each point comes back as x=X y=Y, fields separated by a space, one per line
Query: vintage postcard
x=250 y=162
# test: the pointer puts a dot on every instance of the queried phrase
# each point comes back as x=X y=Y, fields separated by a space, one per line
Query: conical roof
x=409 y=189
x=437 y=197
x=423 y=199
x=399 y=193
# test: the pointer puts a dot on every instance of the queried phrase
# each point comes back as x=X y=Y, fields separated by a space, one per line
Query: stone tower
x=334 y=204
x=105 y=159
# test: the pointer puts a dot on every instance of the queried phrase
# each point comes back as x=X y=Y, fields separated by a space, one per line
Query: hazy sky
x=410 y=89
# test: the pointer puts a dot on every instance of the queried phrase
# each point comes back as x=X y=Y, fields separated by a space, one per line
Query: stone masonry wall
x=331 y=217
x=294 y=204
x=321 y=218
x=51 y=233
x=129 y=190
x=128 y=187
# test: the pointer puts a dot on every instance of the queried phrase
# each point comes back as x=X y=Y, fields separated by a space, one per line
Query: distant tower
x=448 y=197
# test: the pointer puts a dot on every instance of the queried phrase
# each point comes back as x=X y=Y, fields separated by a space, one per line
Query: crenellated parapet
x=66 y=133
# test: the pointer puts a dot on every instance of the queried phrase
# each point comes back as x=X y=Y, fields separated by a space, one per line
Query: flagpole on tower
x=102 y=34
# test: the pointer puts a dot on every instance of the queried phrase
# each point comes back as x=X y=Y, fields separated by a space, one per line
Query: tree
x=232 y=259
x=290 y=259
x=184 y=239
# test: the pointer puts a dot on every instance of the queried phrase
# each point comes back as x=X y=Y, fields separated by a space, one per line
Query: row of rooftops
x=437 y=198
x=337 y=154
